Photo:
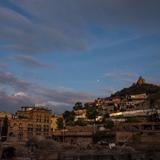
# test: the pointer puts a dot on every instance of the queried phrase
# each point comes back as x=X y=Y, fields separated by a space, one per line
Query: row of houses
x=31 y=121
x=129 y=100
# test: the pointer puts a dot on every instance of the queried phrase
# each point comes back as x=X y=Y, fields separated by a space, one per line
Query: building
x=135 y=113
x=147 y=133
x=80 y=114
x=141 y=81
x=30 y=121
x=54 y=119
x=138 y=97
x=74 y=135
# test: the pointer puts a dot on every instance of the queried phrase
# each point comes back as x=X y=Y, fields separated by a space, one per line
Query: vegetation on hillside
x=147 y=88
x=60 y=123
x=69 y=117
x=91 y=112
x=109 y=124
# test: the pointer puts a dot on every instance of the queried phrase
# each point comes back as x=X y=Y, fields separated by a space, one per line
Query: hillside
x=140 y=87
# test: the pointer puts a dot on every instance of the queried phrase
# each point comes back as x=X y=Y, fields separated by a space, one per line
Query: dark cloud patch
x=3 y=66
x=78 y=14
x=26 y=93
x=124 y=14
x=23 y=35
x=7 y=78
x=67 y=97
x=11 y=103
x=58 y=101
x=65 y=25
x=62 y=100
x=8 y=3
x=29 y=61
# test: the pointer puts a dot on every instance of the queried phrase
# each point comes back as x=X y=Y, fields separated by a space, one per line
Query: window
x=157 y=127
x=20 y=136
x=147 y=127
x=30 y=127
x=14 y=124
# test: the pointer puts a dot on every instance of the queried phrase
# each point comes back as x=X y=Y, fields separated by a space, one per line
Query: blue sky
x=57 y=52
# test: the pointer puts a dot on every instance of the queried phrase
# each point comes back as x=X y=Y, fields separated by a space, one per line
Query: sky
x=58 y=52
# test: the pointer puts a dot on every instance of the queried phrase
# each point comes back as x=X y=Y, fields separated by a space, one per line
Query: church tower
x=141 y=80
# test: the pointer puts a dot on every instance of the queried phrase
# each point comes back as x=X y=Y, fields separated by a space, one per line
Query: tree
x=60 y=123
x=87 y=105
x=78 y=105
x=131 y=119
x=103 y=137
x=4 y=131
x=91 y=112
x=69 y=117
x=105 y=116
x=81 y=122
x=109 y=124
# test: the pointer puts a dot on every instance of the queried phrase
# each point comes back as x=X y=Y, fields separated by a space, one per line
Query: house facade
x=30 y=122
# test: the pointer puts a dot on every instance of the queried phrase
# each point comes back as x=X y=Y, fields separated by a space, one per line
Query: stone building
x=30 y=122
x=74 y=135
x=80 y=114
x=146 y=133
x=54 y=119
x=141 y=81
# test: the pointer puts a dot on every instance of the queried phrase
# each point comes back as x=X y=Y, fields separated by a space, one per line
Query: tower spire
x=141 y=80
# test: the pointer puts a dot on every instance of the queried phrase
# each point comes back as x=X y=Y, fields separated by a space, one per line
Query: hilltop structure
x=141 y=80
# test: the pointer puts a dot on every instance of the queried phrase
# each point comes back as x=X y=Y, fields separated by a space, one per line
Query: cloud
x=29 y=61
x=59 y=107
x=27 y=93
x=23 y=35
x=11 y=103
x=9 y=79
x=42 y=26
x=20 y=94
x=69 y=96
x=58 y=101
x=3 y=66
